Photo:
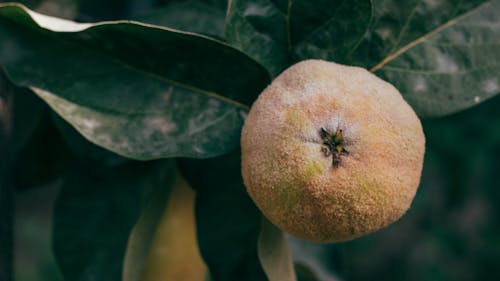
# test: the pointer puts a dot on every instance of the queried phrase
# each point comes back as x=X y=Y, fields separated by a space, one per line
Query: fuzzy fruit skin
x=295 y=184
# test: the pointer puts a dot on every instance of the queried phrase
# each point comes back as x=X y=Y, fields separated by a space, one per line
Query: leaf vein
x=423 y=38
x=431 y=72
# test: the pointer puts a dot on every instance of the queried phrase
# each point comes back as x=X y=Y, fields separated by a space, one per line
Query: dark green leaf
x=274 y=253
x=98 y=209
x=45 y=156
x=7 y=194
x=18 y=117
x=227 y=221
x=442 y=55
x=81 y=148
x=199 y=16
x=397 y=23
x=20 y=113
x=142 y=236
x=27 y=110
x=277 y=33
x=326 y=29
x=259 y=29
x=140 y=91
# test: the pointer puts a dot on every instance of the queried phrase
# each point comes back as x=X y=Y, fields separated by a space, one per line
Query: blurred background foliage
x=452 y=231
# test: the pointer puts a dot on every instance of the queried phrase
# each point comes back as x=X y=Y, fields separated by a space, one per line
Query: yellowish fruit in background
x=174 y=253
x=331 y=152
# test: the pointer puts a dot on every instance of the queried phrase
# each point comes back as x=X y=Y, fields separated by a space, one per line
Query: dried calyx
x=333 y=144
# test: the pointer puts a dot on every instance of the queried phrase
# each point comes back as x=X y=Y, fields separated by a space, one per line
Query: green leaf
x=326 y=29
x=98 y=209
x=277 y=33
x=442 y=55
x=45 y=156
x=26 y=114
x=142 y=236
x=199 y=16
x=82 y=149
x=7 y=191
x=259 y=29
x=227 y=221
x=274 y=253
x=138 y=90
